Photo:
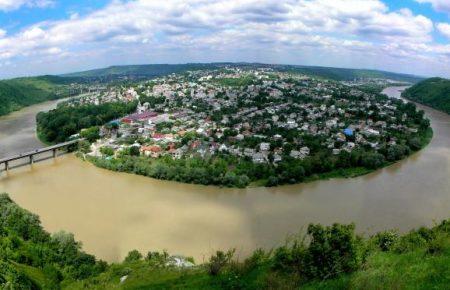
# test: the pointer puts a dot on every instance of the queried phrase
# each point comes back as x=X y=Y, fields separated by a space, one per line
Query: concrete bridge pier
x=31 y=155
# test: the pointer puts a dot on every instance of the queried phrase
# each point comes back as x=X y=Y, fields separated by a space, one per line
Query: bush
x=372 y=160
x=107 y=151
x=218 y=261
x=386 y=240
x=90 y=134
x=437 y=245
x=157 y=259
x=272 y=181
x=133 y=256
x=333 y=250
x=11 y=278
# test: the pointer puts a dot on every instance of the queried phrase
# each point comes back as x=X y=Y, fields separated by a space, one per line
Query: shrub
x=372 y=160
x=437 y=245
x=133 y=256
x=218 y=261
x=90 y=134
x=157 y=258
x=386 y=240
x=332 y=251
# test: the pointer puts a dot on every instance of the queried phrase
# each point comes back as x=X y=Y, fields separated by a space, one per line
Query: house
x=371 y=132
x=249 y=152
x=259 y=158
x=304 y=150
x=153 y=151
x=176 y=153
x=296 y=154
x=348 y=132
x=223 y=148
x=264 y=146
x=277 y=158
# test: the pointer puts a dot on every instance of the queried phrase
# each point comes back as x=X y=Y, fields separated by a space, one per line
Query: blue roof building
x=348 y=132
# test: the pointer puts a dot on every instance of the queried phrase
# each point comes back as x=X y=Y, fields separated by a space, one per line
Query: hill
x=21 y=92
x=333 y=258
x=156 y=70
x=433 y=92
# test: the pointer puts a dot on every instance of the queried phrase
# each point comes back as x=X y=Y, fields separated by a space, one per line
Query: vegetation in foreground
x=330 y=257
x=434 y=92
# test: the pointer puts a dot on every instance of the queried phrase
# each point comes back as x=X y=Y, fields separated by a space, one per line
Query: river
x=113 y=213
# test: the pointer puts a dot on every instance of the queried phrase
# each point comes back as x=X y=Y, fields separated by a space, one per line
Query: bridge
x=30 y=156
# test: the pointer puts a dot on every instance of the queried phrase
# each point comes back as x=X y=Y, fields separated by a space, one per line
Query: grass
x=414 y=270
x=383 y=270
x=36 y=275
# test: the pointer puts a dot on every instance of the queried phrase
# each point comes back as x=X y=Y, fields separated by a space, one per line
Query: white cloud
x=444 y=28
x=438 y=5
x=9 y=5
x=203 y=27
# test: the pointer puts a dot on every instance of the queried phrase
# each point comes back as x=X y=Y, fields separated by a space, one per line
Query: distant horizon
x=212 y=62
x=53 y=37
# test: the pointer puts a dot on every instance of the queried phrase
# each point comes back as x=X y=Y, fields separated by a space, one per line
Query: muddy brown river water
x=113 y=213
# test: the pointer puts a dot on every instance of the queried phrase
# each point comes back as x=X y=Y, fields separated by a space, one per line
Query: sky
x=59 y=36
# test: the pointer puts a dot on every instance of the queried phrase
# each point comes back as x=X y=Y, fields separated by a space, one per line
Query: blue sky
x=58 y=36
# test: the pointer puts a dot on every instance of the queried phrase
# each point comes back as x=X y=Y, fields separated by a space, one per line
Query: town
x=233 y=126
x=198 y=114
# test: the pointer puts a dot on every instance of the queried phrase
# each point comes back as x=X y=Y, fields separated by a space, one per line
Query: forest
x=21 y=92
x=434 y=92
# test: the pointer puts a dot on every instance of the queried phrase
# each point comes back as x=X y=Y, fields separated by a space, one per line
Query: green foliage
x=386 y=240
x=397 y=152
x=107 y=151
x=84 y=146
x=18 y=93
x=157 y=259
x=133 y=256
x=59 y=124
x=24 y=246
x=91 y=134
x=331 y=258
x=434 y=92
x=218 y=261
x=235 y=82
x=332 y=251
x=373 y=160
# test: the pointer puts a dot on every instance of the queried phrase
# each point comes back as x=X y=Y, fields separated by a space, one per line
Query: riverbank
x=196 y=220
x=333 y=258
x=181 y=171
